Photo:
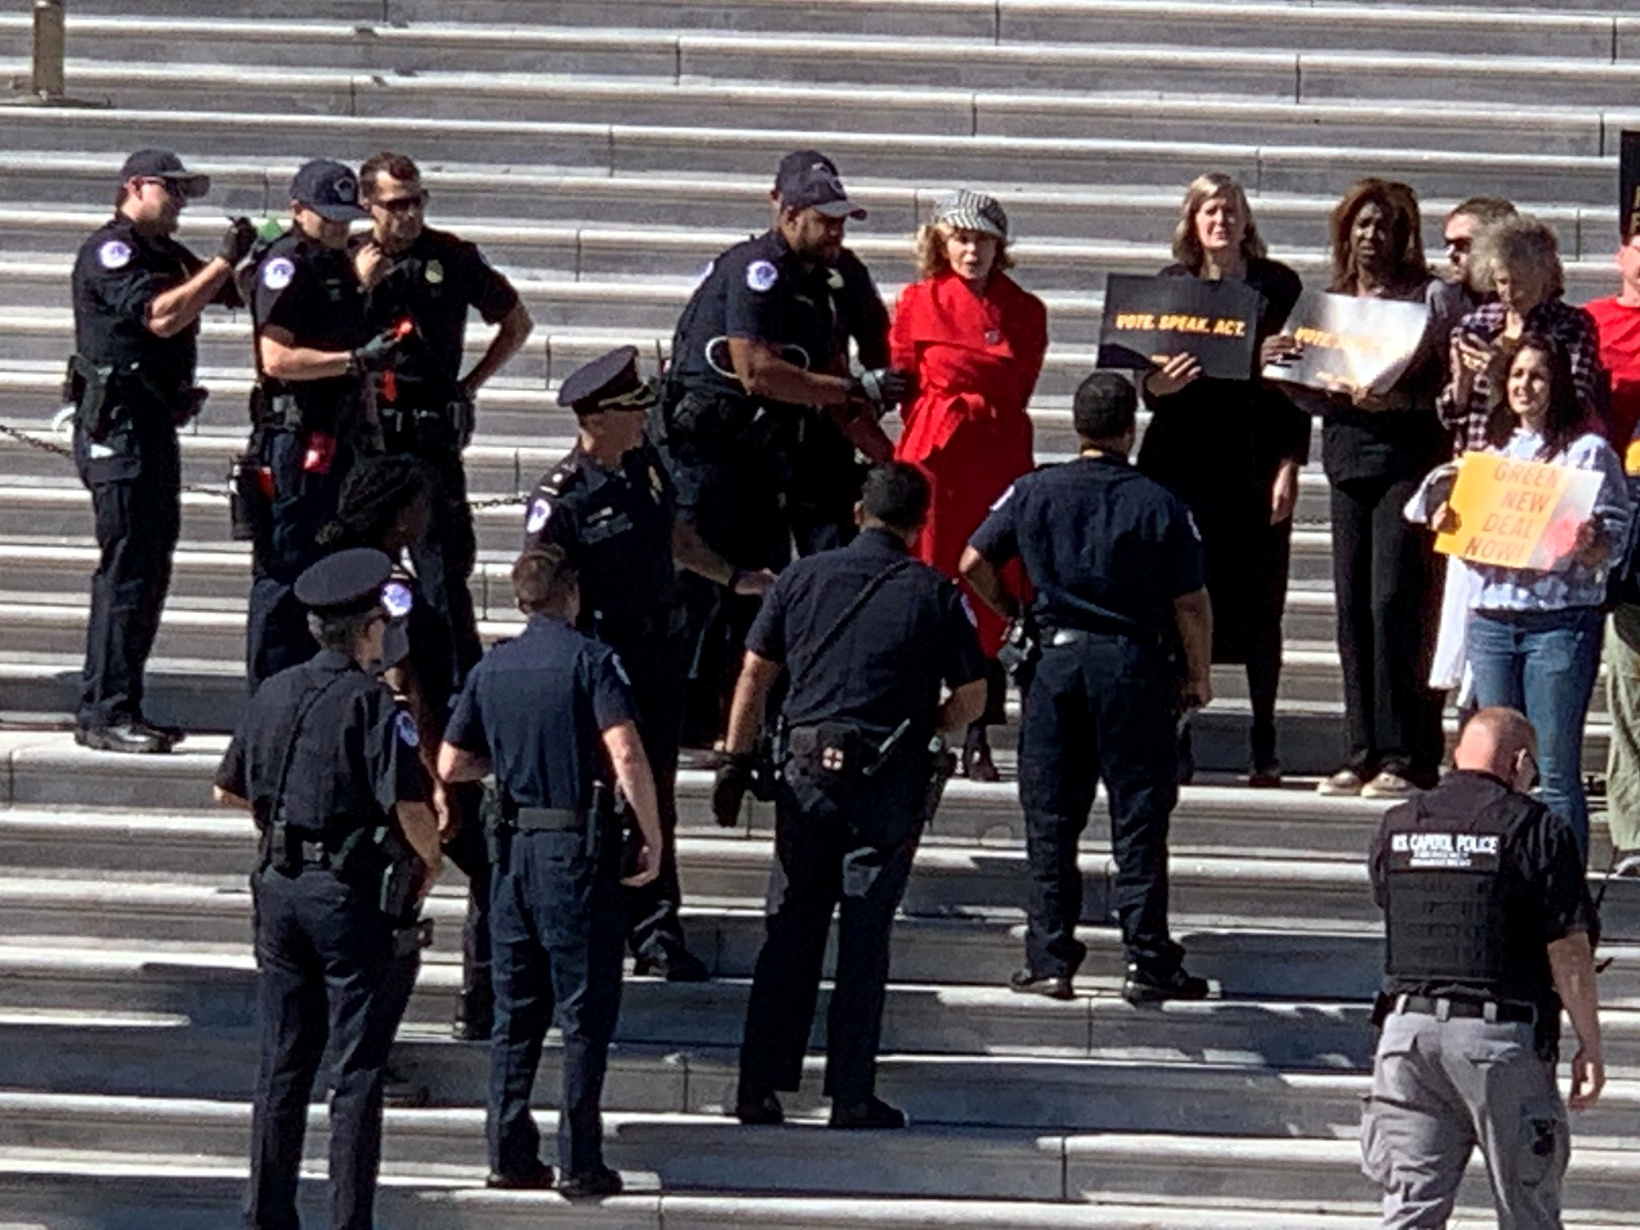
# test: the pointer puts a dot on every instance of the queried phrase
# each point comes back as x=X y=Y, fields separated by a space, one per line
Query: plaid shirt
x=1571 y=326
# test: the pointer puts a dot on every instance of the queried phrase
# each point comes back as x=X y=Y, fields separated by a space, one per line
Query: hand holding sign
x=1151 y=322
x=1355 y=346
x=1520 y=514
x=1170 y=377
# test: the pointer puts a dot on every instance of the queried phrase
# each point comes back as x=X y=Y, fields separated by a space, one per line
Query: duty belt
x=548 y=820
x=1442 y=1008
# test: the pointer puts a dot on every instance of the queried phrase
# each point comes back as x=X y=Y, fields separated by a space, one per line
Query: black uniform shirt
x=887 y=663
x=537 y=707
x=1106 y=549
x=434 y=282
x=312 y=292
x=354 y=754
x=1538 y=859
x=616 y=528
x=117 y=275
x=758 y=290
x=864 y=315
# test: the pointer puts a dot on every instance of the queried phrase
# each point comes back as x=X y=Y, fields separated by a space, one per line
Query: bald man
x=1490 y=932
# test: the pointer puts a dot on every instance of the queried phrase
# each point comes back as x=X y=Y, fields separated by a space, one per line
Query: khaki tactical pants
x=1439 y=1088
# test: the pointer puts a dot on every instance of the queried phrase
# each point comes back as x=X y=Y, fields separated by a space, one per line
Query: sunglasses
x=402 y=204
x=172 y=189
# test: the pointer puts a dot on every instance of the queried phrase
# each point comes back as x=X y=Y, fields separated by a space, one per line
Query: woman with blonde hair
x=1232 y=450
x=974 y=341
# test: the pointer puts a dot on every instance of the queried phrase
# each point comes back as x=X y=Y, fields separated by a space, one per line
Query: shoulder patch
x=278 y=273
x=968 y=609
x=405 y=727
x=761 y=276
x=114 y=254
x=397 y=599
x=620 y=669
x=1190 y=520
x=540 y=514
x=1004 y=497
x=435 y=272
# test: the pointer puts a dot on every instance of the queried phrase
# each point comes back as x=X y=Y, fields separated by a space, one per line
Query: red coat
x=976 y=361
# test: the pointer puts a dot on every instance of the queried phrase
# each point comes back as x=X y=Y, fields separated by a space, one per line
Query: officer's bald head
x=1494 y=741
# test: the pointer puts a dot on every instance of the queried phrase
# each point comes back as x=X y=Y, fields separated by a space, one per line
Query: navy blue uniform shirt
x=887 y=663
x=1106 y=549
x=760 y=290
x=433 y=282
x=537 y=707
x=355 y=752
x=616 y=528
x=313 y=293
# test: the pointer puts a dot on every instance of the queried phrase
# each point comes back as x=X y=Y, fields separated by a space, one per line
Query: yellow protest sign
x=1517 y=514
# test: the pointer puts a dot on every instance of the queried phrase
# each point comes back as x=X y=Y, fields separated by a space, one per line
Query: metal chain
x=58 y=450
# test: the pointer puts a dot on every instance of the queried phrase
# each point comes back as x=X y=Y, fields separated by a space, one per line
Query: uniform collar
x=596 y=475
x=1478 y=777
x=1113 y=459
x=547 y=624
x=875 y=538
x=334 y=661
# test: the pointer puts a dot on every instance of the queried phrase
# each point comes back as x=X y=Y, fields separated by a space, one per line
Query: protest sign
x=1149 y=320
x=1628 y=186
x=1518 y=514
x=1351 y=343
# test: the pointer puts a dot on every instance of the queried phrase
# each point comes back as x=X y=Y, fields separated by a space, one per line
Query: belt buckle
x=1443 y=1009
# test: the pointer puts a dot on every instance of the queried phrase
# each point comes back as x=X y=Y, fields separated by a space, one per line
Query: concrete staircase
x=601 y=153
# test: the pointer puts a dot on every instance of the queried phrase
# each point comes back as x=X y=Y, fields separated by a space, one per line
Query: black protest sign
x=1628 y=174
x=1349 y=344
x=1149 y=320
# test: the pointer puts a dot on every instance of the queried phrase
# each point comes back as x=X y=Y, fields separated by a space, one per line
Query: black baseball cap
x=808 y=180
x=329 y=189
x=163 y=164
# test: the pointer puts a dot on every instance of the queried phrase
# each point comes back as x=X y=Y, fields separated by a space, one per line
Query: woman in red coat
x=974 y=342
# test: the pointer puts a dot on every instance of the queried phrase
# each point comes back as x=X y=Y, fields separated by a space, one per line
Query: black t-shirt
x=537 y=707
x=1106 y=549
x=888 y=661
x=434 y=282
x=616 y=528
x=117 y=275
x=353 y=756
x=313 y=293
x=761 y=291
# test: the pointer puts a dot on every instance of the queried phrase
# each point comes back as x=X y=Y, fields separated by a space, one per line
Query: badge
x=435 y=272
x=834 y=279
x=1003 y=498
x=277 y=273
x=540 y=514
x=397 y=599
x=405 y=726
x=115 y=254
x=761 y=276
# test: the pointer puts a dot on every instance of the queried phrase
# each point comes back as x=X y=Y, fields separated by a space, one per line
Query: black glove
x=377 y=354
x=237 y=241
x=734 y=779
x=884 y=386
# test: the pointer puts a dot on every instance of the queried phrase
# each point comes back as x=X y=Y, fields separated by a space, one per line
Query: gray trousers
x=1439 y=1088
x=1623 y=700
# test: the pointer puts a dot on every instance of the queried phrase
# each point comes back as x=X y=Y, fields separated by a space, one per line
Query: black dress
x=1218 y=444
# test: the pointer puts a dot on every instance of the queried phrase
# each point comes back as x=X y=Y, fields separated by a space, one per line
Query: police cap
x=329 y=189
x=162 y=164
x=609 y=382
x=345 y=583
x=813 y=184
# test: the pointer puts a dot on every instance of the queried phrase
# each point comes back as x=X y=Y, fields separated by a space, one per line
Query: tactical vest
x=1448 y=914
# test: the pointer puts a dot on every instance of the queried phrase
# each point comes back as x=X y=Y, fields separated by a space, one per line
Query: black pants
x=470 y=852
x=1100 y=709
x=856 y=856
x=329 y=973
x=136 y=499
x=825 y=486
x=656 y=660
x=444 y=557
x=556 y=929
x=1388 y=615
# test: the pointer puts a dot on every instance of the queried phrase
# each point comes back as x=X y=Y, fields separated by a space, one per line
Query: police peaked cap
x=609 y=382
x=346 y=583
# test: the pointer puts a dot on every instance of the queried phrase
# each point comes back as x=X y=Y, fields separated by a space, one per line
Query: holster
x=250 y=495
x=380 y=863
x=706 y=420
x=85 y=386
x=942 y=767
x=1021 y=650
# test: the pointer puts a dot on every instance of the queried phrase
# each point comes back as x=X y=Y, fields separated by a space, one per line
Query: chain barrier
x=221 y=493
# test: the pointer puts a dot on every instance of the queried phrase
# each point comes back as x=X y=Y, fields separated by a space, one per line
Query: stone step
x=692 y=1152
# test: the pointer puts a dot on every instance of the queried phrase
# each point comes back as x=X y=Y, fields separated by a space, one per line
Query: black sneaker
x=127 y=736
x=764 y=1111
x=537 y=1180
x=678 y=965
x=1143 y=987
x=593 y=1185
x=872 y=1115
x=1054 y=986
x=400 y=1091
x=474 y=1018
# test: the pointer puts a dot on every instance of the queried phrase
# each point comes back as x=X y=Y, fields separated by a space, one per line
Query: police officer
x=760 y=339
x=825 y=471
x=138 y=295
x=1117 y=569
x=1490 y=933
x=414 y=272
x=312 y=411
x=552 y=716
x=326 y=761
x=867 y=635
x=610 y=505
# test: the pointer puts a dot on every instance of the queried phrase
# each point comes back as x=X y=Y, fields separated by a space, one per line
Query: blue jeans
x=1544 y=664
